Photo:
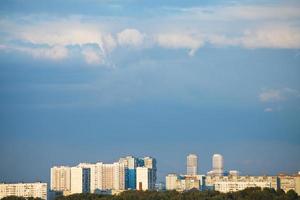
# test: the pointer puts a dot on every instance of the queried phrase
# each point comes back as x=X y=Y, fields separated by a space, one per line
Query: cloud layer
x=243 y=26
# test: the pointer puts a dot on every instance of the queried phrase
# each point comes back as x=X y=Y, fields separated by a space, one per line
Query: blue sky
x=96 y=80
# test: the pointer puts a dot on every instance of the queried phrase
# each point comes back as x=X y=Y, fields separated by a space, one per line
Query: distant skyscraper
x=192 y=164
x=218 y=165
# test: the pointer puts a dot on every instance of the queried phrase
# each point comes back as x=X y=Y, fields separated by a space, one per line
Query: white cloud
x=283 y=37
x=268 y=110
x=245 y=26
x=55 y=53
x=276 y=95
x=178 y=41
x=61 y=32
x=131 y=37
x=272 y=37
x=93 y=55
x=222 y=40
x=109 y=42
x=271 y=95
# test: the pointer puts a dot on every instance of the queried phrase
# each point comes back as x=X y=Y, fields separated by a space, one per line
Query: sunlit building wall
x=218 y=164
x=192 y=164
x=35 y=190
x=60 y=178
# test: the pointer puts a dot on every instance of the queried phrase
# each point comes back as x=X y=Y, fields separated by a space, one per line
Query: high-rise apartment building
x=131 y=163
x=218 y=165
x=192 y=164
x=60 y=178
x=35 y=190
x=150 y=163
x=144 y=178
x=106 y=176
x=80 y=180
x=119 y=176
x=100 y=177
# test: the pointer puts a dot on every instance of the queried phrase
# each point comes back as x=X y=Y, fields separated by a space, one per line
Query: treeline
x=247 y=194
x=20 y=198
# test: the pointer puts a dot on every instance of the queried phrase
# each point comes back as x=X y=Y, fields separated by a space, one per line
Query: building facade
x=80 y=180
x=297 y=183
x=192 y=164
x=100 y=177
x=35 y=190
x=150 y=163
x=218 y=165
x=287 y=182
x=106 y=176
x=131 y=163
x=60 y=178
x=172 y=182
x=235 y=183
x=183 y=182
x=144 y=178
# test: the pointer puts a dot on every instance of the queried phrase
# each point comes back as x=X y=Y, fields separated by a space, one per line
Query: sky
x=94 y=80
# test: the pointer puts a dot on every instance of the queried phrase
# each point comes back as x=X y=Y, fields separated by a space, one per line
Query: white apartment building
x=144 y=178
x=297 y=183
x=172 y=182
x=98 y=177
x=218 y=164
x=150 y=163
x=80 y=180
x=183 y=182
x=88 y=177
x=287 y=182
x=129 y=161
x=235 y=183
x=36 y=190
x=106 y=176
x=60 y=178
x=192 y=164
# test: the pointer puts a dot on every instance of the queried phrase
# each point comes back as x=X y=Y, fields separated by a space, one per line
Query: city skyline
x=96 y=80
x=216 y=167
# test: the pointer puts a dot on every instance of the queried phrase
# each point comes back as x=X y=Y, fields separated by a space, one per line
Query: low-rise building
x=235 y=183
x=35 y=190
x=297 y=183
x=287 y=182
x=183 y=182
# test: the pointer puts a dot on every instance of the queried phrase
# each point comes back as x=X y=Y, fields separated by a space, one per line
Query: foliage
x=247 y=194
x=19 y=198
